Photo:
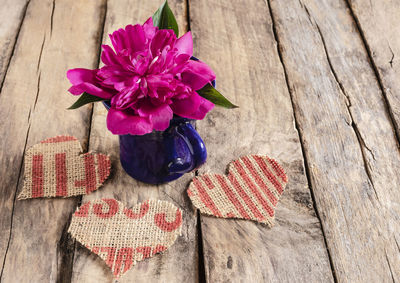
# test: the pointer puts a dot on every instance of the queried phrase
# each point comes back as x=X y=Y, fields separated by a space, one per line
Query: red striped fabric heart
x=55 y=168
x=251 y=190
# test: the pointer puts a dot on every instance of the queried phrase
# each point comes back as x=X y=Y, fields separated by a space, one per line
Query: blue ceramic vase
x=162 y=156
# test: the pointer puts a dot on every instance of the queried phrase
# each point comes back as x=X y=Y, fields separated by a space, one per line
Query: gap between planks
x=306 y=164
x=66 y=273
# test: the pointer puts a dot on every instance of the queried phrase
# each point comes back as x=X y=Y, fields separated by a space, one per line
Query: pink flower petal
x=185 y=107
x=91 y=89
x=197 y=74
x=162 y=38
x=159 y=81
x=136 y=37
x=160 y=116
x=204 y=108
x=118 y=40
x=108 y=56
x=184 y=44
x=84 y=80
x=125 y=83
x=79 y=75
x=113 y=71
x=125 y=98
x=141 y=66
x=125 y=122
x=149 y=28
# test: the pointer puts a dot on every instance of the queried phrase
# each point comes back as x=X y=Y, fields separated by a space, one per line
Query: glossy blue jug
x=162 y=156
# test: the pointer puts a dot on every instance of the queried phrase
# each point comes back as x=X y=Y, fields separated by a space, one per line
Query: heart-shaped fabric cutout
x=55 y=168
x=250 y=191
x=122 y=236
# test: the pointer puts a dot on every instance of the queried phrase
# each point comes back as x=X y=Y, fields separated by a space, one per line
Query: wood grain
x=236 y=39
x=180 y=262
x=378 y=22
x=348 y=138
x=316 y=82
x=33 y=106
x=12 y=12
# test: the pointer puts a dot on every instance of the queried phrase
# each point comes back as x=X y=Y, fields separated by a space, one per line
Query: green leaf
x=213 y=95
x=165 y=19
x=85 y=98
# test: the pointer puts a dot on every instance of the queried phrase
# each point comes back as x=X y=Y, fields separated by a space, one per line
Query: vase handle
x=194 y=143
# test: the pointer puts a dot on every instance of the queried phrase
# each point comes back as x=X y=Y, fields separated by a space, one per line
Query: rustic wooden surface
x=348 y=137
x=317 y=84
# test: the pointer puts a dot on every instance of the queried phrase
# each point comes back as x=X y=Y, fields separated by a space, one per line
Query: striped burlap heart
x=250 y=191
x=55 y=168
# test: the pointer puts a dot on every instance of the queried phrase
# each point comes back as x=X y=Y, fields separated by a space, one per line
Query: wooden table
x=318 y=84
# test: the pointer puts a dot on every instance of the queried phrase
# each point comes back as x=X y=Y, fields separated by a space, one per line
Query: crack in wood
x=390 y=267
x=52 y=16
x=366 y=163
x=13 y=204
x=15 y=44
x=37 y=91
x=391 y=59
x=367 y=47
x=40 y=53
x=310 y=18
x=301 y=4
x=353 y=124
x=397 y=243
x=29 y=114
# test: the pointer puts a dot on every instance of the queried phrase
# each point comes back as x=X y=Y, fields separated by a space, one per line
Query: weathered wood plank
x=379 y=25
x=12 y=12
x=54 y=37
x=348 y=138
x=236 y=39
x=179 y=263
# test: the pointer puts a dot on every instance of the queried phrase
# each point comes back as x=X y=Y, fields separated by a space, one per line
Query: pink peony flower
x=148 y=77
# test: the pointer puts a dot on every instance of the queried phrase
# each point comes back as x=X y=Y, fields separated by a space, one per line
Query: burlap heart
x=250 y=191
x=54 y=168
x=121 y=236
